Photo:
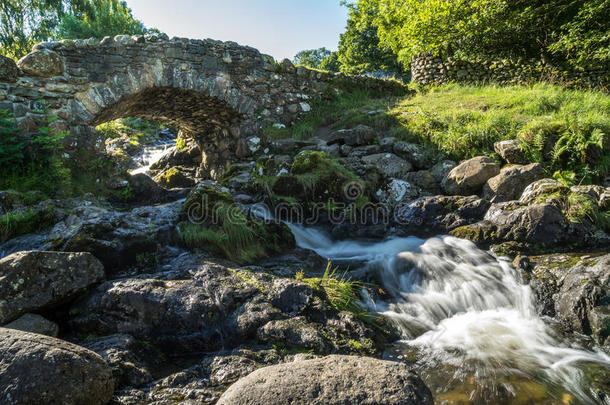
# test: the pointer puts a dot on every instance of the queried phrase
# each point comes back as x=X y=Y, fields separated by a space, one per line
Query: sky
x=280 y=28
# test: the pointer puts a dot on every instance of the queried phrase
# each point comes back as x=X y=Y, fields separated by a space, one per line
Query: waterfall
x=151 y=155
x=464 y=310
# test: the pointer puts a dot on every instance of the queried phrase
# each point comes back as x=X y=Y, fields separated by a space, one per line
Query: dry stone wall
x=427 y=69
x=218 y=92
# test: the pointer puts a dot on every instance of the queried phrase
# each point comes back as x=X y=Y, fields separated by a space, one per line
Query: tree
x=331 y=63
x=551 y=30
x=311 y=58
x=586 y=37
x=359 y=48
x=25 y=22
x=100 y=18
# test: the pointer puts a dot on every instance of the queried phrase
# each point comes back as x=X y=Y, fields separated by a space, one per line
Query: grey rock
x=42 y=62
x=412 y=153
x=428 y=216
x=294 y=332
x=511 y=182
x=583 y=297
x=37 y=369
x=388 y=165
x=510 y=151
x=119 y=351
x=330 y=380
x=539 y=188
x=34 y=323
x=33 y=281
x=468 y=177
x=8 y=69
x=358 y=136
x=440 y=170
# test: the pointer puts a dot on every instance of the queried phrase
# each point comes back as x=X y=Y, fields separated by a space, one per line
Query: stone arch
x=207 y=109
x=210 y=121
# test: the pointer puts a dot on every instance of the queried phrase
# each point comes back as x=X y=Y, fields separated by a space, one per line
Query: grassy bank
x=568 y=131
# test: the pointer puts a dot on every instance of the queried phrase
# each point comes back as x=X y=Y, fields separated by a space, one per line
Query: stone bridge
x=218 y=93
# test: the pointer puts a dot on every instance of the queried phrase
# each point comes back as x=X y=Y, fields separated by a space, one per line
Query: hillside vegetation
x=565 y=130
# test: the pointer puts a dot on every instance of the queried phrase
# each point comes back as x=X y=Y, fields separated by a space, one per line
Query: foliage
x=586 y=38
x=559 y=30
x=26 y=22
x=137 y=130
x=225 y=229
x=320 y=58
x=11 y=148
x=100 y=18
x=359 y=47
x=16 y=224
x=33 y=162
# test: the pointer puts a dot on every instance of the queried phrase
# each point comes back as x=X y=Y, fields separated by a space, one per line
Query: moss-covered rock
x=174 y=178
x=213 y=222
x=316 y=177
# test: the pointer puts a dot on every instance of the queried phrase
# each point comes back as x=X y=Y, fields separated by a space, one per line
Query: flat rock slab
x=37 y=369
x=330 y=380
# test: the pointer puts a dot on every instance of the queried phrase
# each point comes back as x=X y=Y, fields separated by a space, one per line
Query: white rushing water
x=464 y=309
x=151 y=155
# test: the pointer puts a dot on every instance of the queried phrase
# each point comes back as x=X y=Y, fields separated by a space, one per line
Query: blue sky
x=280 y=28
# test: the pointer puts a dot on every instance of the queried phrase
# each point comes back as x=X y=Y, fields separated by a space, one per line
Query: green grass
x=341 y=111
x=563 y=129
x=340 y=291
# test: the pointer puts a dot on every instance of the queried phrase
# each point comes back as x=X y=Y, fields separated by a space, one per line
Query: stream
x=468 y=323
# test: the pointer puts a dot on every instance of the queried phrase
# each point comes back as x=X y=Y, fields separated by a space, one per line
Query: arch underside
x=194 y=112
x=211 y=122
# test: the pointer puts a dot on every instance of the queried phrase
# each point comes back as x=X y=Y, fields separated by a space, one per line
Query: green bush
x=33 y=162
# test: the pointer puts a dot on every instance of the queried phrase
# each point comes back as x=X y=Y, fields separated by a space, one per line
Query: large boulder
x=122 y=353
x=8 y=70
x=575 y=289
x=468 y=177
x=204 y=306
x=540 y=188
x=116 y=238
x=358 y=136
x=511 y=152
x=583 y=300
x=510 y=183
x=37 y=369
x=33 y=281
x=330 y=380
x=42 y=62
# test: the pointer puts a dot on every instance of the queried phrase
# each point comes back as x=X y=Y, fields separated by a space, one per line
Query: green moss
x=17 y=224
x=315 y=176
